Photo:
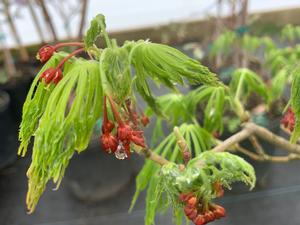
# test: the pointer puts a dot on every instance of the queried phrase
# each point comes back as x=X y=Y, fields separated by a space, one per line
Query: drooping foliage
x=65 y=126
x=34 y=105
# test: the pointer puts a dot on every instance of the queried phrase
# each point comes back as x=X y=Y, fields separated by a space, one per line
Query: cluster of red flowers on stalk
x=288 y=121
x=46 y=52
x=128 y=130
x=197 y=212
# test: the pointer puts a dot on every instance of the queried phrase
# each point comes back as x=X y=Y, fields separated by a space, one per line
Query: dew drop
x=120 y=152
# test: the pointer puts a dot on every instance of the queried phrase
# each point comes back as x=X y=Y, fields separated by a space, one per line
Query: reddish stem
x=69 y=56
x=115 y=112
x=79 y=44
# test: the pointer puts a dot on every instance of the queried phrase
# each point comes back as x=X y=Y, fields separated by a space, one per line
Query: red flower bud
x=188 y=210
x=107 y=127
x=192 y=202
x=58 y=76
x=109 y=142
x=138 y=138
x=46 y=73
x=199 y=220
x=145 y=120
x=124 y=132
x=193 y=214
x=288 y=121
x=219 y=211
x=209 y=216
x=186 y=197
x=51 y=74
x=45 y=53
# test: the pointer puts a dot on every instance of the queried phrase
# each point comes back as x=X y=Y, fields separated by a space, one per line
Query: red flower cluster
x=288 y=121
x=127 y=132
x=51 y=74
x=197 y=212
x=46 y=52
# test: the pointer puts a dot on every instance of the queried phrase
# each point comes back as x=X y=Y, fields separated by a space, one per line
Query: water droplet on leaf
x=120 y=153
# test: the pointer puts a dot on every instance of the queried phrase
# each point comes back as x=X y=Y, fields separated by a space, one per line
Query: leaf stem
x=70 y=56
x=115 y=112
x=59 y=45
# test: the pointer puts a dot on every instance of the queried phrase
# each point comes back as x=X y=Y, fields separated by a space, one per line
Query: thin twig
x=257 y=146
x=236 y=138
x=277 y=159
x=186 y=153
x=270 y=137
x=149 y=154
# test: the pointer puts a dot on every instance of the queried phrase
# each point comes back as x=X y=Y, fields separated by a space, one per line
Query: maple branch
x=149 y=154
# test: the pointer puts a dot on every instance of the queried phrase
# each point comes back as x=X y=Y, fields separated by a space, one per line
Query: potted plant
x=188 y=168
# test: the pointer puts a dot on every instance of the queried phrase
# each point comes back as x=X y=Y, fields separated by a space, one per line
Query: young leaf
x=94 y=31
x=169 y=66
x=295 y=102
x=245 y=81
x=66 y=125
x=115 y=73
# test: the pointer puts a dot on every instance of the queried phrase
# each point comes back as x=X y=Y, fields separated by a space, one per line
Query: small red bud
x=219 y=211
x=192 y=202
x=199 y=220
x=108 y=142
x=193 y=214
x=58 y=76
x=145 y=120
x=49 y=74
x=45 y=53
x=124 y=132
x=186 y=197
x=188 y=210
x=108 y=126
x=209 y=216
x=288 y=121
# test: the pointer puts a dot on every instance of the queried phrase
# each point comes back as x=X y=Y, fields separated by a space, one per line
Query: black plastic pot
x=8 y=132
x=17 y=90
